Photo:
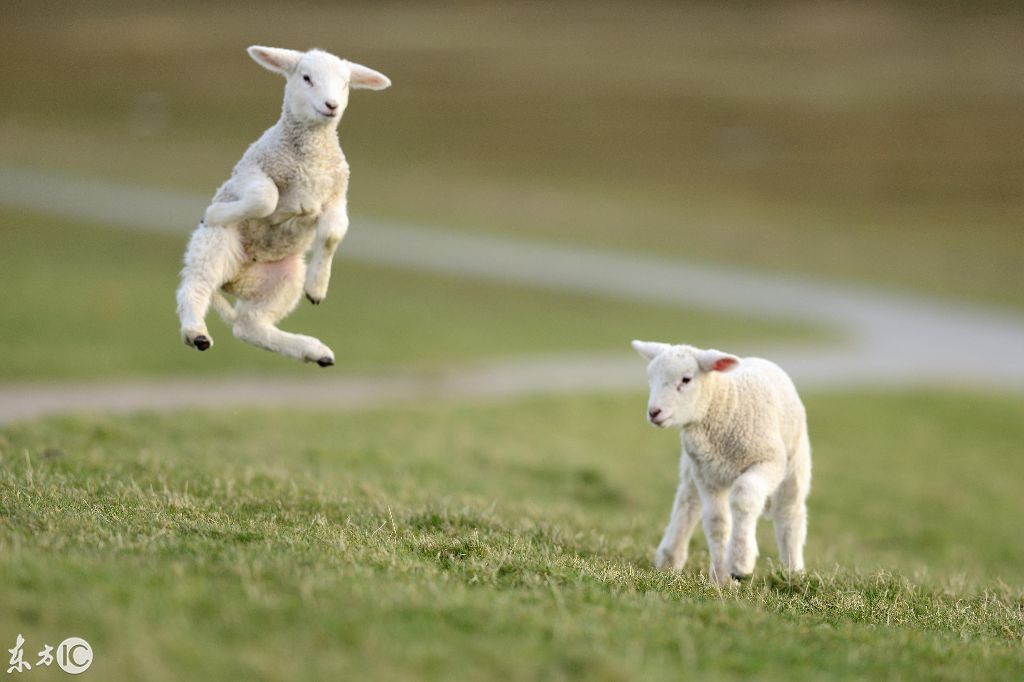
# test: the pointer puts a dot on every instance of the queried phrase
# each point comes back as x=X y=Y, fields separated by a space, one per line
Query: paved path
x=888 y=339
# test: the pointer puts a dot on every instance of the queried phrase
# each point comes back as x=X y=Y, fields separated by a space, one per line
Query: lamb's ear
x=716 y=361
x=649 y=350
x=276 y=59
x=366 y=78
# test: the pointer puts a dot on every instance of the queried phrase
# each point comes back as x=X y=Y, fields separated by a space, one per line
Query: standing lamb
x=286 y=195
x=744 y=436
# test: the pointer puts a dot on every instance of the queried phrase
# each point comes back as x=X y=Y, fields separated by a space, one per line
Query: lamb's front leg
x=254 y=196
x=330 y=230
x=717 y=524
x=674 y=547
x=746 y=500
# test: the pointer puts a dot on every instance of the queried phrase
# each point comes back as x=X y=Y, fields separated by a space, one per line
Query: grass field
x=870 y=141
x=505 y=541
x=100 y=303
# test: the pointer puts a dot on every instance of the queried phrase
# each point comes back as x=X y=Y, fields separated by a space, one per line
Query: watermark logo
x=17 y=661
x=73 y=656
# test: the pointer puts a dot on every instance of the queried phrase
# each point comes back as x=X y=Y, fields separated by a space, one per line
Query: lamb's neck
x=305 y=140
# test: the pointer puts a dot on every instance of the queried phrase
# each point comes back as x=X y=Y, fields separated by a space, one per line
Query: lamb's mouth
x=325 y=114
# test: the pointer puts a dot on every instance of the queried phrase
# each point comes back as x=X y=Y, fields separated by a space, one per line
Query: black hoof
x=314 y=301
x=740 y=578
x=201 y=342
x=325 y=362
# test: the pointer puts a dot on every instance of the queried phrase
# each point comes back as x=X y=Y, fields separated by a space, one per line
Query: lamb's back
x=754 y=408
x=769 y=390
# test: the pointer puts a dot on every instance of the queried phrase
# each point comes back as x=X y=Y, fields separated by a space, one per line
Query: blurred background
x=874 y=146
x=873 y=143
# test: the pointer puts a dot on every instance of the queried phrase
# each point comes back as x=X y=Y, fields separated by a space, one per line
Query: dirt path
x=887 y=339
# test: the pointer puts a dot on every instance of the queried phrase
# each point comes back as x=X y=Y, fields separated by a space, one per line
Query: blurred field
x=509 y=542
x=99 y=303
x=878 y=142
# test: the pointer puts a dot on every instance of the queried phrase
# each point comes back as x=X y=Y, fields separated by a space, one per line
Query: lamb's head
x=678 y=376
x=318 y=82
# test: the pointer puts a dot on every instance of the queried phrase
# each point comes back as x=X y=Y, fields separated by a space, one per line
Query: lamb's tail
x=223 y=307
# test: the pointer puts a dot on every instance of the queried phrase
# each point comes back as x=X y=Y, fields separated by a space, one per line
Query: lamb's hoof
x=325 y=361
x=314 y=301
x=663 y=561
x=740 y=578
x=201 y=342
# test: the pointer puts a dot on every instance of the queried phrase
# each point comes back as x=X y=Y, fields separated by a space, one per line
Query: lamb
x=743 y=430
x=286 y=196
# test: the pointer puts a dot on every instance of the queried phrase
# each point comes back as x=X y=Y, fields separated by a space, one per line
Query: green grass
x=95 y=302
x=504 y=541
x=870 y=141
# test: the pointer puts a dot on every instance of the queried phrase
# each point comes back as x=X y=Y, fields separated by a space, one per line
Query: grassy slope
x=504 y=542
x=100 y=303
x=871 y=141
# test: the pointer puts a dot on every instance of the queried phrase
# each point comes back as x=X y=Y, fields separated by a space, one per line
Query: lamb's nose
x=331 y=104
x=654 y=412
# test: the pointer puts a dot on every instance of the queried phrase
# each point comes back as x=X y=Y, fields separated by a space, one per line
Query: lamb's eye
x=306 y=78
x=684 y=380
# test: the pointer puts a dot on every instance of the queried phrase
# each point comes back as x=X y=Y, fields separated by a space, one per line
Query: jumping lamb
x=743 y=430
x=285 y=196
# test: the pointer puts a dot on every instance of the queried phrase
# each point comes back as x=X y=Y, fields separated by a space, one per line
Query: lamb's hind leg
x=214 y=256
x=267 y=292
x=789 y=510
